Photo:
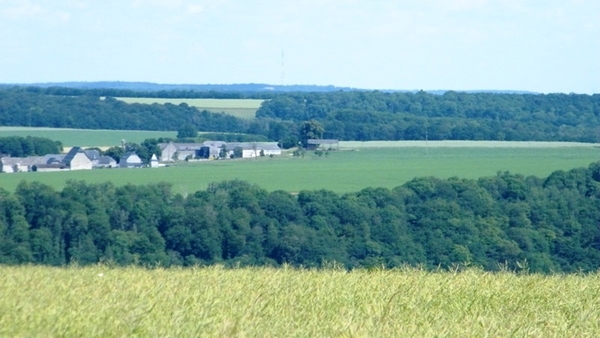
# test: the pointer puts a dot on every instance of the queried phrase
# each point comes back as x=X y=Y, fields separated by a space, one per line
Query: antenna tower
x=282 y=69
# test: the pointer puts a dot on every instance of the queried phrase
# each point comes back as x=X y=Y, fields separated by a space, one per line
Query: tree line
x=344 y=115
x=17 y=146
x=364 y=116
x=547 y=224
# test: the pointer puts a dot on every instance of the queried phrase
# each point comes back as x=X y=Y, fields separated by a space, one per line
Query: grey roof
x=323 y=141
x=31 y=160
x=181 y=146
x=217 y=144
x=93 y=154
x=106 y=160
x=253 y=145
x=53 y=158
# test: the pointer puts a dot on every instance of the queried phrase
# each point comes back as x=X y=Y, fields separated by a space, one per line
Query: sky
x=545 y=46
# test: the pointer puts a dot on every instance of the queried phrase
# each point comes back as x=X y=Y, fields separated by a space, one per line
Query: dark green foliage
x=16 y=146
x=232 y=137
x=35 y=108
x=364 y=116
x=310 y=130
x=345 y=115
x=187 y=131
x=550 y=224
x=115 y=152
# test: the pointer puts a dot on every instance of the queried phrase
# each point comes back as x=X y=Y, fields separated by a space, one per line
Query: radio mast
x=282 y=70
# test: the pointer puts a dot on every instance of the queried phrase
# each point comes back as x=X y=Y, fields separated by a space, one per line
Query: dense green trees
x=187 y=131
x=16 y=146
x=352 y=115
x=550 y=225
x=310 y=130
x=452 y=116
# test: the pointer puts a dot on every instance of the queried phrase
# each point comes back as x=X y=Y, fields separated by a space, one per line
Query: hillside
x=349 y=116
x=546 y=224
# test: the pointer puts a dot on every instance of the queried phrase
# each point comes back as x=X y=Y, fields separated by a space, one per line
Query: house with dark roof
x=211 y=149
x=130 y=160
x=77 y=159
x=53 y=158
x=171 y=151
x=99 y=161
x=105 y=162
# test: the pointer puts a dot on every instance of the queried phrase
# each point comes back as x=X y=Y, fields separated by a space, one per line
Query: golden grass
x=200 y=103
x=268 y=302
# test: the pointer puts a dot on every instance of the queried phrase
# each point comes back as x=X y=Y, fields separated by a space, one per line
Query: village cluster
x=85 y=159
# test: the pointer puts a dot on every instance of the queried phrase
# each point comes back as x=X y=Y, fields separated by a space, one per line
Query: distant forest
x=537 y=224
x=355 y=115
x=345 y=115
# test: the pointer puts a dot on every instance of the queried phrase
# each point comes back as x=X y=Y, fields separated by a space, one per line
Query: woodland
x=510 y=221
x=344 y=115
x=506 y=221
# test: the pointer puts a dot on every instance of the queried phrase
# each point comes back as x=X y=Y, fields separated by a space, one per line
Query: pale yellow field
x=268 y=302
x=243 y=108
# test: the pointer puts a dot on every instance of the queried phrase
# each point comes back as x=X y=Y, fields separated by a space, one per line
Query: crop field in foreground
x=285 y=302
x=342 y=171
x=244 y=108
x=86 y=137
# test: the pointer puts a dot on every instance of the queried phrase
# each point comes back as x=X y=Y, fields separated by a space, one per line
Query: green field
x=342 y=171
x=86 y=137
x=100 y=301
x=243 y=108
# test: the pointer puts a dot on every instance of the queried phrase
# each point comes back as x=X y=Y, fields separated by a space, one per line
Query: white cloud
x=193 y=9
x=17 y=10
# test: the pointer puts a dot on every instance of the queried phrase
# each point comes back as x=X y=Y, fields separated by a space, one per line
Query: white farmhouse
x=130 y=160
x=77 y=159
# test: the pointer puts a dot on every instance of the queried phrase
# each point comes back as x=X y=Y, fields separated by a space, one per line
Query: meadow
x=243 y=108
x=341 y=171
x=86 y=137
x=286 y=302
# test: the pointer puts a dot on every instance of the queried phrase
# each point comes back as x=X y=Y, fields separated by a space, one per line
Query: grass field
x=244 y=108
x=86 y=137
x=267 y=302
x=341 y=171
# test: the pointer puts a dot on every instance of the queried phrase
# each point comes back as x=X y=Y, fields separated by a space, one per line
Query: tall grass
x=269 y=302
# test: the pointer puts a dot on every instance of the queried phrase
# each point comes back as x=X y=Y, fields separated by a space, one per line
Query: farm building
x=49 y=167
x=77 y=159
x=171 y=151
x=313 y=144
x=93 y=154
x=154 y=161
x=18 y=164
x=254 y=149
x=211 y=149
x=100 y=161
x=130 y=160
x=105 y=162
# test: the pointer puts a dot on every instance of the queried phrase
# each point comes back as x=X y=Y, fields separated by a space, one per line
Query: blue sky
x=536 y=45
